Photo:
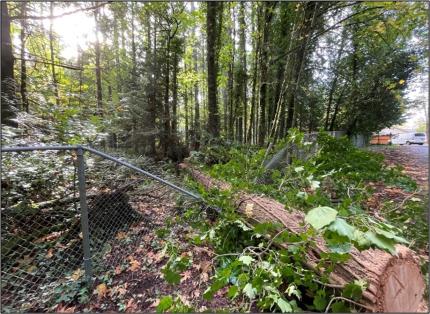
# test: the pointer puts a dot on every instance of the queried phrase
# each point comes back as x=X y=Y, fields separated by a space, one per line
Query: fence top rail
x=37 y=147
x=105 y=156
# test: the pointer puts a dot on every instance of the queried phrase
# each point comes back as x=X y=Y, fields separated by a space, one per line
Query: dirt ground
x=137 y=284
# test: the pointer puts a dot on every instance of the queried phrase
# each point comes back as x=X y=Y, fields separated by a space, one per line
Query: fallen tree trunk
x=395 y=283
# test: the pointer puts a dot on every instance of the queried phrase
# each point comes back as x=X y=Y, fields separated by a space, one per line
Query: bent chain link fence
x=44 y=262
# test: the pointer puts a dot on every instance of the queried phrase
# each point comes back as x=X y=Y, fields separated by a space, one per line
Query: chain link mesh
x=42 y=243
x=40 y=228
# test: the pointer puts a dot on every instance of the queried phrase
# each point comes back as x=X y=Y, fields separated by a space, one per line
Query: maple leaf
x=101 y=290
x=121 y=235
x=185 y=276
x=134 y=264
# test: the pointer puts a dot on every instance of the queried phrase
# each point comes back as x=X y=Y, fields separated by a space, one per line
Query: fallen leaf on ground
x=64 y=309
x=185 y=276
x=134 y=264
x=101 y=290
x=77 y=274
x=121 y=235
x=50 y=253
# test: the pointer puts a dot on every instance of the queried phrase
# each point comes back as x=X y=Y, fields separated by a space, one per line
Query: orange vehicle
x=380 y=139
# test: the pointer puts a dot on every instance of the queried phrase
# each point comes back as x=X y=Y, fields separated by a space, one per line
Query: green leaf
x=171 y=276
x=320 y=217
x=381 y=242
x=246 y=259
x=233 y=292
x=320 y=302
x=284 y=305
x=340 y=248
x=343 y=228
x=339 y=307
x=249 y=291
x=391 y=235
x=299 y=169
x=165 y=304
x=353 y=291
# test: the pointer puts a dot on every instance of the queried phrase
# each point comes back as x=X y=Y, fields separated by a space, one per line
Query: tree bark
x=244 y=83
x=175 y=94
x=51 y=48
x=395 y=283
x=7 y=77
x=99 y=92
x=335 y=79
x=264 y=59
x=212 y=68
x=23 y=87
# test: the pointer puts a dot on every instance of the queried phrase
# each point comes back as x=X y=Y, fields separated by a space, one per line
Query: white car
x=408 y=138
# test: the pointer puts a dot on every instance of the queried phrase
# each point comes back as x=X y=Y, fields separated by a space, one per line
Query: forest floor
x=413 y=219
x=138 y=283
x=163 y=237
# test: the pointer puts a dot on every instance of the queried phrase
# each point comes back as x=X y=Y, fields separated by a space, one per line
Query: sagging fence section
x=65 y=211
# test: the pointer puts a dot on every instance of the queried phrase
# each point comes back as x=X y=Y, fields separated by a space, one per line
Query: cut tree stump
x=395 y=283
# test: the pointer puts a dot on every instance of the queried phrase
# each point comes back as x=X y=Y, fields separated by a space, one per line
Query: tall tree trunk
x=252 y=122
x=51 y=48
x=186 y=113
x=196 y=121
x=99 y=93
x=232 y=109
x=8 y=98
x=150 y=112
x=335 y=79
x=23 y=86
x=242 y=45
x=175 y=95
x=212 y=68
x=336 y=110
x=300 y=59
x=264 y=59
x=133 y=48
x=166 y=106
x=81 y=65
x=117 y=52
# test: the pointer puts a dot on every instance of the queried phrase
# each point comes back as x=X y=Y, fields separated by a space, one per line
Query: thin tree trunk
x=335 y=79
x=166 y=111
x=51 y=49
x=196 y=127
x=211 y=28
x=133 y=48
x=242 y=44
x=252 y=122
x=175 y=95
x=264 y=59
x=23 y=88
x=99 y=93
x=7 y=76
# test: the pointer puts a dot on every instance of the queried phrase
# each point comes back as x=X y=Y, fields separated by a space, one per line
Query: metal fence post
x=84 y=216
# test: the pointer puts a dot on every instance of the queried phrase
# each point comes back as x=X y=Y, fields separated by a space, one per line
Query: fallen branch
x=394 y=283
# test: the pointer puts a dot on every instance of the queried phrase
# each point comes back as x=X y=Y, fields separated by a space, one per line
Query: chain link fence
x=68 y=217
